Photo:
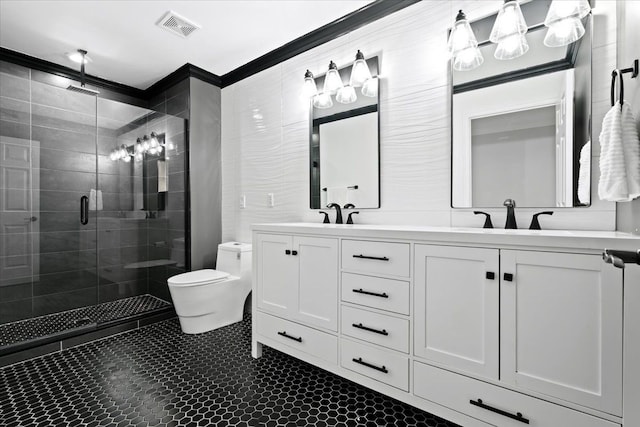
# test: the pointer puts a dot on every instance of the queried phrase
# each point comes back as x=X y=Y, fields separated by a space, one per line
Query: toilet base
x=208 y=322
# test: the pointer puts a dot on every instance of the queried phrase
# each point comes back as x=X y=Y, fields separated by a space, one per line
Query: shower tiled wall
x=265 y=126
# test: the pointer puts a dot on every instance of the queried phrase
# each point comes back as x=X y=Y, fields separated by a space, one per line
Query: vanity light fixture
x=359 y=71
x=509 y=31
x=346 y=95
x=309 y=89
x=564 y=21
x=370 y=87
x=322 y=101
x=463 y=46
x=152 y=145
x=332 y=80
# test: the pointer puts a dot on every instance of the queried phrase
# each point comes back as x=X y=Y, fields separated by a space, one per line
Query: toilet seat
x=199 y=277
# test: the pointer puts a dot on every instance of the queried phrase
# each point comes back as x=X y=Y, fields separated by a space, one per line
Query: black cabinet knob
x=287 y=252
x=491 y=275
x=294 y=252
x=508 y=277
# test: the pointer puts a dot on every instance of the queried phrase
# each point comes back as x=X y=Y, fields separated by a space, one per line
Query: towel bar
x=619 y=72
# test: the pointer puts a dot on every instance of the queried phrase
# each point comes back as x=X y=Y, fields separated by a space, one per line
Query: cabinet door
x=457 y=307
x=276 y=273
x=561 y=327
x=317 y=279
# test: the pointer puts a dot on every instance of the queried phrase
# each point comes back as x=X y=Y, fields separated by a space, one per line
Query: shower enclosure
x=92 y=222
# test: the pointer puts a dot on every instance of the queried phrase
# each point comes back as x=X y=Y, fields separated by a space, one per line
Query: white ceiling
x=126 y=46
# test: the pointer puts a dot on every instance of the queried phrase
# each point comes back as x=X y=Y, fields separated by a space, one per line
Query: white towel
x=95 y=200
x=92 y=200
x=584 y=175
x=619 y=156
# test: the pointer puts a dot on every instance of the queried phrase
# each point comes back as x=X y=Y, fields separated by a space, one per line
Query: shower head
x=81 y=88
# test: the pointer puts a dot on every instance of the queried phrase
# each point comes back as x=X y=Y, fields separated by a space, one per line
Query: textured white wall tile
x=265 y=126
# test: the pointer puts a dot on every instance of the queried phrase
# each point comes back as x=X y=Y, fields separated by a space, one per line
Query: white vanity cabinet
x=561 y=327
x=297 y=278
x=457 y=308
x=496 y=327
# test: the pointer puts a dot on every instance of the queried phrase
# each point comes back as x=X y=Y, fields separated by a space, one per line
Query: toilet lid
x=198 y=277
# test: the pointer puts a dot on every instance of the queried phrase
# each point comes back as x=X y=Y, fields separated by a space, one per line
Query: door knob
x=31 y=219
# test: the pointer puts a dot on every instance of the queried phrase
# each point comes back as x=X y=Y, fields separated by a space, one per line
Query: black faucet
x=511 y=215
x=326 y=217
x=349 y=206
x=487 y=219
x=349 y=219
x=338 y=212
x=535 y=224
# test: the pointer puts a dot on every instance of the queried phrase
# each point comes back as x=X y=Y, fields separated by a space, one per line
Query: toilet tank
x=235 y=259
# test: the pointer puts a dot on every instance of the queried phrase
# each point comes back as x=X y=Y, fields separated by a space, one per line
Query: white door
x=457 y=307
x=561 y=327
x=317 y=278
x=275 y=274
x=18 y=220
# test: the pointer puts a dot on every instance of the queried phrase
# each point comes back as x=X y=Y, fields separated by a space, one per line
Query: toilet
x=209 y=299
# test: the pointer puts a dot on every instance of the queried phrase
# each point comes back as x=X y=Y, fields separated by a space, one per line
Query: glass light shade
x=114 y=155
x=139 y=147
x=146 y=144
x=370 y=87
x=332 y=80
x=152 y=150
x=509 y=22
x=123 y=152
x=139 y=157
x=468 y=59
x=309 y=87
x=322 y=101
x=564 y=32
x=160 y=147
x=511 y=47
x=461 y=37
x=562 y=9
x=126 y=159
x=346 y=95
x=359 y=71
x=153 y=142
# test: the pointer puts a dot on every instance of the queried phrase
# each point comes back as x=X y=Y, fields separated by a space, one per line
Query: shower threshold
x=37 y=331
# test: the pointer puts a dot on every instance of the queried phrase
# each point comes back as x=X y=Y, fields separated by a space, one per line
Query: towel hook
x=634 y=70
x=615 y=73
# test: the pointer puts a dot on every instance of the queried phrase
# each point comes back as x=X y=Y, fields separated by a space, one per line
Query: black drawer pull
x=284 y=334
x=287 y=252
x=294 y=252
x=518 y=416
x=491 y=275
x=366 y=328
x=508 y=277
x=377 y=258
x=360 y=291
x=359 y=361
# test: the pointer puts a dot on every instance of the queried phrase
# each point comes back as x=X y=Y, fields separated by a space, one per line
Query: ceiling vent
x=177 y=24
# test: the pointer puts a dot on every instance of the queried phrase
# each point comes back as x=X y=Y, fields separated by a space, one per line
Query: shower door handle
x=84 y=210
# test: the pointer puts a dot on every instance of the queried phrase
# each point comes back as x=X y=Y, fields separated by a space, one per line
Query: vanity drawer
x=457 y=391
x=376 y=257
x=307 y=340
x=376 y=328
x=376 y=292
x=381 y=365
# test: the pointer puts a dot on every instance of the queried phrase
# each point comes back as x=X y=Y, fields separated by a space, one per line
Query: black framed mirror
x=521 y=128
x=344 y=147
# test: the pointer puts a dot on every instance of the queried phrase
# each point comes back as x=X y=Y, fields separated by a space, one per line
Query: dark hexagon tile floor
x=157 y=376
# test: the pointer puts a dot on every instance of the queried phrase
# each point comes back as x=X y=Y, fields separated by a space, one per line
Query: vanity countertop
x=576 y=239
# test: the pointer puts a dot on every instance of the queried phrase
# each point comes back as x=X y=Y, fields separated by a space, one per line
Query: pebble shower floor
x=157 y=376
